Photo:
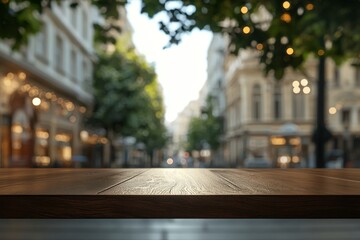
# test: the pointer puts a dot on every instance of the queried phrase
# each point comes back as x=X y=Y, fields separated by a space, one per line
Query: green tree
x=283 y=33
x=204 y=130
x=127 y=99
x=19 y=19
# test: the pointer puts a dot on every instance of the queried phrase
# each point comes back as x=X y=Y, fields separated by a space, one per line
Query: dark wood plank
x=284 y=182
x=62 y=181
x=178 y=193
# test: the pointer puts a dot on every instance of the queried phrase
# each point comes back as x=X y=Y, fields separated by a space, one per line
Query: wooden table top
x=179 y=193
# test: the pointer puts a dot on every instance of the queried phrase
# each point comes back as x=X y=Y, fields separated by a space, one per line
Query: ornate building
x=272 y=121
x=45 y=89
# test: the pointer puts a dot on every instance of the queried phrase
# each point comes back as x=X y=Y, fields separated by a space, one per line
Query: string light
x=306 y=90
x=36 y=101
x=286 y=5
x=22 y=76
x=309 y=6
x=244 y=10
x=321 y=52
x=332 y=110
x=259 y=46
x=246 y=29
x=286 y=17
x=290 y=51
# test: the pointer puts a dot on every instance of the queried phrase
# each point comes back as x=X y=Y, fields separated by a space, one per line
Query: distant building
x=180 y=126
x=274 y=120
x=215 y=88
x=45 y=89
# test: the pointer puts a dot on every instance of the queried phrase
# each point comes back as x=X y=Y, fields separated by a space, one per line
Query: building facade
x=46 y=89
x=179 y=128
x=273 y=120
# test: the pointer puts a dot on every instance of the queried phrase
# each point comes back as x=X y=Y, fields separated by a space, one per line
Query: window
x=357 y=76
x=298 y=106
x=277 y=102
x=73 y=14
x=74 y=66
x=41 y=43
x=85 y=24
x=256 y=102
x=59 y=51
x=336 y=77
x=345 y=116
x=85 y=71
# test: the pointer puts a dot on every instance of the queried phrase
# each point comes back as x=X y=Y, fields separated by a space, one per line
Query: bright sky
x=181 y=69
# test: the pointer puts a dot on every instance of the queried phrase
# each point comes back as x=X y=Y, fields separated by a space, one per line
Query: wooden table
x=179 y=193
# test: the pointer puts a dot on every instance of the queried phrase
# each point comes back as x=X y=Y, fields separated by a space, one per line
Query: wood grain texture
x=284 y=182
x=179 y=193
x=175 y=182
x=62 y=181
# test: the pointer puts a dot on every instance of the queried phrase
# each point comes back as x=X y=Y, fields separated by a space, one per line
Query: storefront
x=39 y=126
x=289 y=148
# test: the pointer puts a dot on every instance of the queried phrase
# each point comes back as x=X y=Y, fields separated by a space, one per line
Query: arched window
x=277 y=102
x=256 y=97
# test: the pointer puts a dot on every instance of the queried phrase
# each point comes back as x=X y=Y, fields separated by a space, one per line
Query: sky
x=181 y=69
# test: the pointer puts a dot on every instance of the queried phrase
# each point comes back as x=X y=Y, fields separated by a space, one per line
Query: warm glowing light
x=22 y=76
x=44 y=106
x=60 y=137
x=284 y=159
x=294 y=141
x=84 y=135
x=17 y=129
x=244 y=10
x=10 y=75
x=304 y=82
x=295 y=159
x=278 y=141
x=295 y=84
x=332 y=110
x=321 y=52
x=48 y=95
x=36 y=101
x=246 y=29
x=82 y=109
x=66 y=153
x=42 y=134
x=286 y=17
x=309 y=6
x=259 y=46
x=296 y=90
x=306 y=90
x=169 y=161
x=286 y=5
x=70 y=106
x=7 y=81
x=42 y=160
x=290 y=51
x=33 y=92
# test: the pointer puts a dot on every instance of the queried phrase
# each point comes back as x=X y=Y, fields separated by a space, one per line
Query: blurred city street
x=179 y=229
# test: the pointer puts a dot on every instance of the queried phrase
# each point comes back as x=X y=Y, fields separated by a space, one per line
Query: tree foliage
x=284 y=33
x=22 y=18
x=204 y=130
x=127 y=98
